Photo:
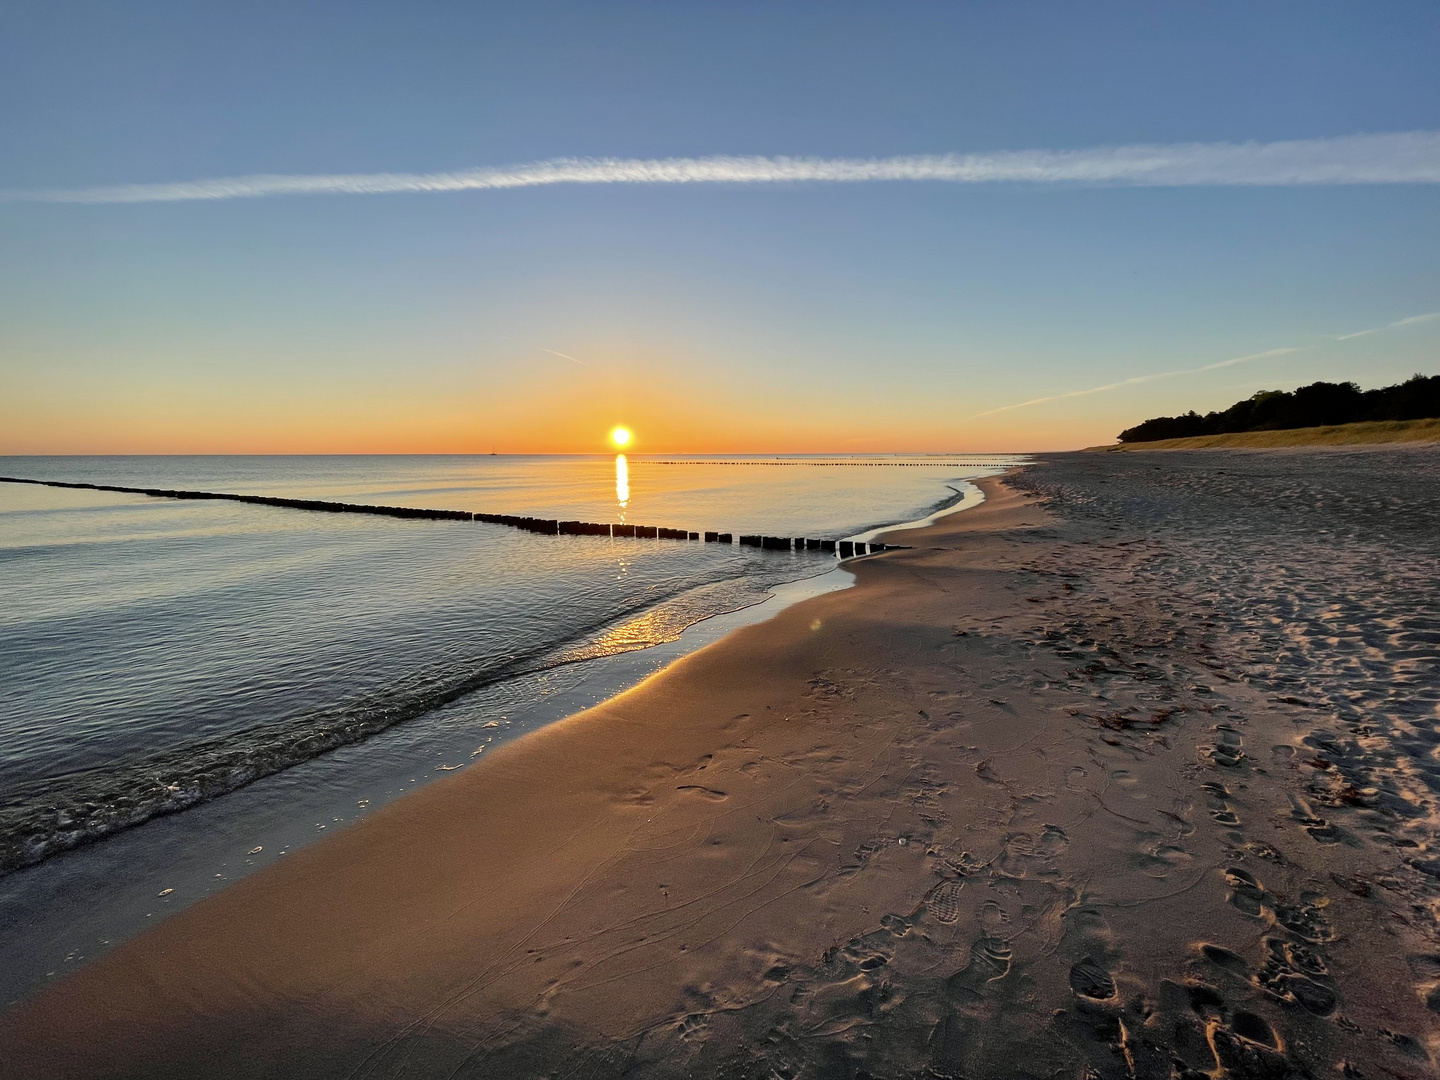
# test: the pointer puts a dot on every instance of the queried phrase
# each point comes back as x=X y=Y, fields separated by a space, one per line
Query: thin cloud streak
x=1136 y=379
x=1408 y=321
x=562 y=356
x=1397 y=158
x=1412 y=320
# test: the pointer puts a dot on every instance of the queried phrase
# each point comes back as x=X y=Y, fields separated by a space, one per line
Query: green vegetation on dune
x=1374 y=431
x=1320 y=404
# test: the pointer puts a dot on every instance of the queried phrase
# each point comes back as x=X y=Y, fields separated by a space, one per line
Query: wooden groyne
x=845 y=549
x=263 y=500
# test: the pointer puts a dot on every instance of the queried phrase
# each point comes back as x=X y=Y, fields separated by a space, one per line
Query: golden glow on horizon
x=679 y=411
x=620 y=436
x=622 y=483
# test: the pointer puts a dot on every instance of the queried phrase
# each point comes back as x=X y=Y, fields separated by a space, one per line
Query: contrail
x=1408 y=321
x=1391 y=326
x=1411 y=157
x=1136 y=379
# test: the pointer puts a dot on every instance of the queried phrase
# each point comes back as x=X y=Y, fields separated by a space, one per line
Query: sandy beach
x=1128 y=772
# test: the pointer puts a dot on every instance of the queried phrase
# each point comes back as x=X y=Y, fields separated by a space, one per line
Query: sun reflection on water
x=622 y=483
x=651 y=628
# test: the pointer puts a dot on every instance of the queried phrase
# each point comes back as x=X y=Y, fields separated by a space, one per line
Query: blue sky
x=747 y=317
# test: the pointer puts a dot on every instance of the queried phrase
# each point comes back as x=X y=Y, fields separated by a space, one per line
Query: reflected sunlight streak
x=622 y=483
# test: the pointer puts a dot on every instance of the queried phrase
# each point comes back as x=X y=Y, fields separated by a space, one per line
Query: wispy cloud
x=1408 y=321
x=562 y=356
x=1391 y=326
x=1137 y=379
x=1411 y=157
x=1429 y=315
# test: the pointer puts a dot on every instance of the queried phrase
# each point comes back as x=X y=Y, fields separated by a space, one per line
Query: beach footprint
x=1226 y=750
x=1305 y=919
x=993 y=917
x=1318 y=829
x=1219 y=1031
x=1247 y=895
x=1232 y=963
x=1033 y=854
x=1091 y=979
x=1089 y=942
x=1221 y=811
x=1241 y=1055
x=694 y=1028
x=1159 y=860
x=861 y=856
x=1297 y=975
x=943 y=902
x=1426 y=969
x=990 y=959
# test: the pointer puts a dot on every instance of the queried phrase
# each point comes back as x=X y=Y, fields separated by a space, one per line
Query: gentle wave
x=164 y=654
x=42 y=818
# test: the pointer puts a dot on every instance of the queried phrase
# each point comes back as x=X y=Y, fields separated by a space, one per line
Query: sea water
x=274 y=673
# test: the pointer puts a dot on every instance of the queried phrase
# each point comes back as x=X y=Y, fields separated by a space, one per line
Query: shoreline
x=545 y=734
x=890 y=828
x=80 y=903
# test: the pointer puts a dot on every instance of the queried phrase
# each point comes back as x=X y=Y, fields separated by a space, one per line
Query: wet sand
x=1130 y=771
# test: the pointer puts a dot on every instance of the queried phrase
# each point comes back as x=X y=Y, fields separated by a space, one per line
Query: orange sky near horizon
x=677 y=400
x=447 y=433
x=575 y=418
x=379 y=248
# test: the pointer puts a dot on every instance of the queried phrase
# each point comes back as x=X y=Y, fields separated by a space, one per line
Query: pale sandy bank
x=1360 y=434
x=1048 y=795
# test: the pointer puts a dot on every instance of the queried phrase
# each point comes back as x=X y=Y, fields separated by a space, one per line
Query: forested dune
x=1321 y=404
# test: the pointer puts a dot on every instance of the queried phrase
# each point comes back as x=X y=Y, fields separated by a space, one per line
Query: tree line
x=1417 y=398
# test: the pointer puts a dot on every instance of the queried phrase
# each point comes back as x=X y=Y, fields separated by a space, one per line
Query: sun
x=621 y=437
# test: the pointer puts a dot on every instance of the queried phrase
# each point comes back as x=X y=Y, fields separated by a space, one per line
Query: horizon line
x=1410 y=157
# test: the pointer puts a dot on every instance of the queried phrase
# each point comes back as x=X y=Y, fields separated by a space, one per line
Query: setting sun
x=909 y=394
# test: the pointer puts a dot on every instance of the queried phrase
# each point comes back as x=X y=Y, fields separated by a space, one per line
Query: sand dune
x=1128 y=772
x=1357 y=434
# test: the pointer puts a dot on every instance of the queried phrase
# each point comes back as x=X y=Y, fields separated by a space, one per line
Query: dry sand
x=1129 y=771
x=1365 y=432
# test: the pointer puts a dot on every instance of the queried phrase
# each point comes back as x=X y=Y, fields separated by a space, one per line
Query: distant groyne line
x=544 y=526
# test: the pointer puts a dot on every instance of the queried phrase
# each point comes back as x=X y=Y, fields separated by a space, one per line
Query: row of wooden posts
x=845 y=549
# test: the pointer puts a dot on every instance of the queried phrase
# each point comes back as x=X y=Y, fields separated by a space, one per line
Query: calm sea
x=260 y=668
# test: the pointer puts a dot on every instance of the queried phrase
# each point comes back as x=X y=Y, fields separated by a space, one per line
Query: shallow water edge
x=78 y=904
